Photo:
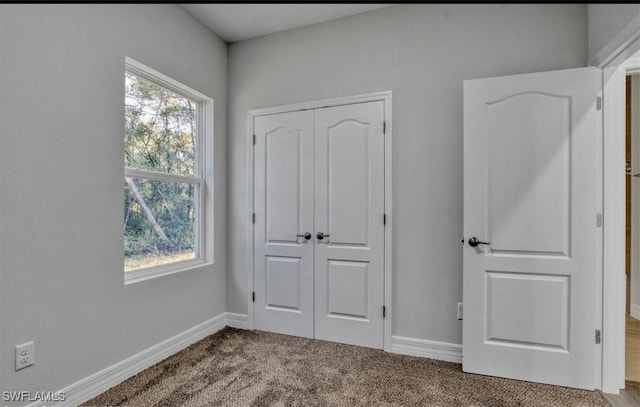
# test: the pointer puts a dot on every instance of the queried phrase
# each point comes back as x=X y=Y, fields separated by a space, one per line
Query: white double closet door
x=320 y=172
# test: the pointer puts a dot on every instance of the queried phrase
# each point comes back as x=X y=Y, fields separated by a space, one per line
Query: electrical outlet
x=25 y=355
x=460 y=310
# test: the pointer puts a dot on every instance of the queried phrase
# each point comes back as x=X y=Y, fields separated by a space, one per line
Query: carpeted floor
x=251 y=368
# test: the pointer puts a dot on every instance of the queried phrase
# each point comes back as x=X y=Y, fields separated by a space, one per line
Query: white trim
x=240 y=321
x=599 y=233
x=250 y=211
x=386 y=97
x=632 y=66
x=449 y=352
x=635 y=311
x=315 y=104
x=148 y=273
x=89 y=387
x=613 y=232
x=621 y=47
x=140 y=69
x=162 y=176
x=613 y=288
x=388 y=210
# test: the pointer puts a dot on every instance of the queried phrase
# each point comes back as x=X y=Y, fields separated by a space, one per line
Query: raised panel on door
x=347 y=289
x=530 y=192
x=349 y=196
x=527 y=310
x=528 y=174
x=283 y=204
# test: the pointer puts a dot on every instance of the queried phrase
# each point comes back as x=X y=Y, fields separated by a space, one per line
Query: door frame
x=384 y=96
x=613 y=252
x=632 y=68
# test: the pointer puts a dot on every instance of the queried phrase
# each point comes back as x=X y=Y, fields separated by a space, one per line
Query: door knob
x=306 y=235
x=473 y=242
x=321 y=236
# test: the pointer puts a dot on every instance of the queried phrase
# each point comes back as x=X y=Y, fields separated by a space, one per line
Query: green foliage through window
x=160 y=131
x=160 y=213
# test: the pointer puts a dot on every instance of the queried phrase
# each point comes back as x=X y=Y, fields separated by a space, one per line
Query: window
x=167 y=130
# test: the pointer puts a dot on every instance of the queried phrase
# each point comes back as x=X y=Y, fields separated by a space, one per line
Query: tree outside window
x=163 y=179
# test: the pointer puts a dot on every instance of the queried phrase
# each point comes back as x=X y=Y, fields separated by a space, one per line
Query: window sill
x=136 y=276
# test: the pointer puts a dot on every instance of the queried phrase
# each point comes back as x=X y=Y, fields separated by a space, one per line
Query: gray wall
x=606 y=21
x=422 y=52
x=61 y=166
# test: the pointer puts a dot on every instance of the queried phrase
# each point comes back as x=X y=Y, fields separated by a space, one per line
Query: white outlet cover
x=25 y=355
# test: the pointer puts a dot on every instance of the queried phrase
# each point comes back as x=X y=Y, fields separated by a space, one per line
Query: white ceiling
x=237 y=22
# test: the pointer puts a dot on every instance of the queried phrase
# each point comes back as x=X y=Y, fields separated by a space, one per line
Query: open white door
x=531 y=194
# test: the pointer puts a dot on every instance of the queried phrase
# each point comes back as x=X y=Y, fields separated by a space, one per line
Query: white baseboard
x=449 y=352
x=89 y=387
x=240 y=321
x=635 y=311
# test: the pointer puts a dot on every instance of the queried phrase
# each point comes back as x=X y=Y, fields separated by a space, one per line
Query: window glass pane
x=159 y=222
x=160 y=128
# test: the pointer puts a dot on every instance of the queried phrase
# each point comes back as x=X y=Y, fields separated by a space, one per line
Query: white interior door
x=283 y=269
x=349 y=195
x=530 y=192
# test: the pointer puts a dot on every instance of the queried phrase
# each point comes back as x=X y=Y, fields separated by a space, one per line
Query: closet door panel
x=349 y=196
x=283 y=204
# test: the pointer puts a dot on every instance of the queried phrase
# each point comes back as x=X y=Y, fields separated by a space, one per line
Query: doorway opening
x=632 y=247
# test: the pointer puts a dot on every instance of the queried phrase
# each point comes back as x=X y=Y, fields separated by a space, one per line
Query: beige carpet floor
x=251 y=368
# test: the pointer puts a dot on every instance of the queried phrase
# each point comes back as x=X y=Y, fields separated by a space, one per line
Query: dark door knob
x=473 y=242
x=306 y=236
x=321 y=235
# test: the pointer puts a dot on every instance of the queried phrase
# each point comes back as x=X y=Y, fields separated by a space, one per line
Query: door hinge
x=253 y=296
x=384 y=311
x=384 y=219
x=254 y=139
x=384 y=127
x=599 y=220
x=598 y=103
x=598 y=337
x=253 y=217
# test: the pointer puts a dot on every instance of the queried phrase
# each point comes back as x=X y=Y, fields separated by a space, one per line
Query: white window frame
x=203 y=176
